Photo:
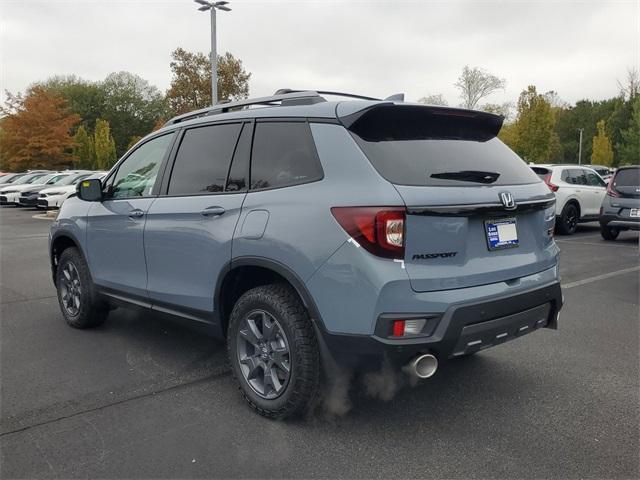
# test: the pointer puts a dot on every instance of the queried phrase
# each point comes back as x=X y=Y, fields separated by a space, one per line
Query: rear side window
x=579 y=176
x=627 y=177
x=283 y=155
x=203 y=159
x=426 y=147
x=540 y=171
x=594 y=180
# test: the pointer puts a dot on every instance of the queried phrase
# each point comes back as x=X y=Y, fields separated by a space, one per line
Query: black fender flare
x=282 y=270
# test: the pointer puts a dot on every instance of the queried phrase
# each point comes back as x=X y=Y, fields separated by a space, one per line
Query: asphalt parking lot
x=141 y=397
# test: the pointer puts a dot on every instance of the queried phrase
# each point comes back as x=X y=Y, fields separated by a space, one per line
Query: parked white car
x=579 y=192
x=9 y=194
x=54 y=197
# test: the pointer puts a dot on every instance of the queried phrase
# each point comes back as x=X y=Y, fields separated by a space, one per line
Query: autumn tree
x=475 y=84
x=436 y=99
x=105 y=146
x=536 y=140
x=36 y=130
x=601 y=150
x=83 y=150
x=191 y=80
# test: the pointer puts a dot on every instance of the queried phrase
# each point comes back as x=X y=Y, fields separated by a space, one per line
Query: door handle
x=136 y=213
x=212 y=211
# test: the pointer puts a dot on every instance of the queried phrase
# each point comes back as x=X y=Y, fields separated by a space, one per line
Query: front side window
x=203 y=159
x=137 y=173
x=283 y=155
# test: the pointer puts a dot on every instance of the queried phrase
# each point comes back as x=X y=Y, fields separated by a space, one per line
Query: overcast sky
x=578 y=48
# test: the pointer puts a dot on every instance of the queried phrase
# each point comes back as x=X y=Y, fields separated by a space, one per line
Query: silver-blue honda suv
x=309 y=233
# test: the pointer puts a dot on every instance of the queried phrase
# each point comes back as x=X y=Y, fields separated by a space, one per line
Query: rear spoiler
x=390 y=121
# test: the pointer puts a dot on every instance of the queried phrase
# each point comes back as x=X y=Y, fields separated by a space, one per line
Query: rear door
x=190 y=227
x=476 y=213
x=597 y=189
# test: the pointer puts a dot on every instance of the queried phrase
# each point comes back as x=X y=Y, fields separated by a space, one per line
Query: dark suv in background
x=620 y=208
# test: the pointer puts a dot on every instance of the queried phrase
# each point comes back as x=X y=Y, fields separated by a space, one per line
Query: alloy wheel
x=70 y=289
x=263 y=353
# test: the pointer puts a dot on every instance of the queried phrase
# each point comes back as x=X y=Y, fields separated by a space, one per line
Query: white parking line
x=599 y=277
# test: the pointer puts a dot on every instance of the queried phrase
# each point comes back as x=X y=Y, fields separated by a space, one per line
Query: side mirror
x=90 y=190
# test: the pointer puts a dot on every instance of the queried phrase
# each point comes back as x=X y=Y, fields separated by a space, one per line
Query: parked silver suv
x=309 y=232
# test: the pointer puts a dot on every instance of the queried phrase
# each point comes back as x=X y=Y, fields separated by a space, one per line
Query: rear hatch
x=624 y=188
x=476 y=213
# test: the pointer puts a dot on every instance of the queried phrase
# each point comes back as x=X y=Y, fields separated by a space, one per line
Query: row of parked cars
x=586 y=194
x=42 y=189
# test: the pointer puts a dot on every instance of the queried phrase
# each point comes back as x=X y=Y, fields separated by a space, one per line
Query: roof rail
x=225 y=106
x=326 y=92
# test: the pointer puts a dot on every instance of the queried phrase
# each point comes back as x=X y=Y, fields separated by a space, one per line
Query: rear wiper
x=468 y=176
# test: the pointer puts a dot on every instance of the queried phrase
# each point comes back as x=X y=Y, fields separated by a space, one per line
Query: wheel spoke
x=251 y=333
x=254 y=367
x=269 y=328
x=270 y=382
x=279 y=359
x=66 y=273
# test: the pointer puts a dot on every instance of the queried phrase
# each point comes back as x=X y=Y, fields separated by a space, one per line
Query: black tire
x=279 y=304
x=609 y=233
x=567 y=223
x=88 y=310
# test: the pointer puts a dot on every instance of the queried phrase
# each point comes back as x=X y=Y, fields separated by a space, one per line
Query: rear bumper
x=462 y=329
x=620 y=222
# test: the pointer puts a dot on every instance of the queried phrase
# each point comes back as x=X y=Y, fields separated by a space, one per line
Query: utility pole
x=212 y=7
x=580 y=147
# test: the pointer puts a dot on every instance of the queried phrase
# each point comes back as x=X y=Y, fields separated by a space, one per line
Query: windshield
x=73 y=179
x=56 y=179
x=29 y=178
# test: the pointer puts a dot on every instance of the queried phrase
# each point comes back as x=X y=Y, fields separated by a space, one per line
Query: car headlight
x=54 y=193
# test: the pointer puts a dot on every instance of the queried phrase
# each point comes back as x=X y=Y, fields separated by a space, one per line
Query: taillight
x=552 y=186
x=379 y=230
x=612 y=192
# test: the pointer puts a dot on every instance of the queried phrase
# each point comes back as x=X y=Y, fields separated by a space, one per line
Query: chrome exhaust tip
x=423 y=366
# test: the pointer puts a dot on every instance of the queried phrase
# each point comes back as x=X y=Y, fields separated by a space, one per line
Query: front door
x=189 y=229
x=115 y=249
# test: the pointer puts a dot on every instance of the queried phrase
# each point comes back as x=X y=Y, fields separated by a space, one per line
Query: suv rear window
x=417 y=146
x=541 y=171
x=627 y=177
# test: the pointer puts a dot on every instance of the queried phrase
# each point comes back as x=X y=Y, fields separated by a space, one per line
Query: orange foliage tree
x=36 y=131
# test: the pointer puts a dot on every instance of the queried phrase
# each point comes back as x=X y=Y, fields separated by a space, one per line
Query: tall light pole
x=580 y=147
x=212 y=7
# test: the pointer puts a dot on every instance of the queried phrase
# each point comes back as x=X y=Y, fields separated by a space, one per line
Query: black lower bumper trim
x=463 y=329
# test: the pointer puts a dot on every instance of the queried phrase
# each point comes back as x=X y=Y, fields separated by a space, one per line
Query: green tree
x=601 y=151
x=83 y=97
x=191 y=80
x=536 y=140
x=83 y=151
x=105 y=147
x=132 y=107
x=629 y=147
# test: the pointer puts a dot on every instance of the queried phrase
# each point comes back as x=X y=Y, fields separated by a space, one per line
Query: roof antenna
x=396 y=97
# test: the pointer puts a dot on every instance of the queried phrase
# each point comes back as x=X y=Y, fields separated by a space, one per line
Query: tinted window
x=283 y=154
x=594 y=180
x=579 y=176
x=239 y=173
x=137 y=174
x=540 y=171
x=627 y=177
x=203 y=159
